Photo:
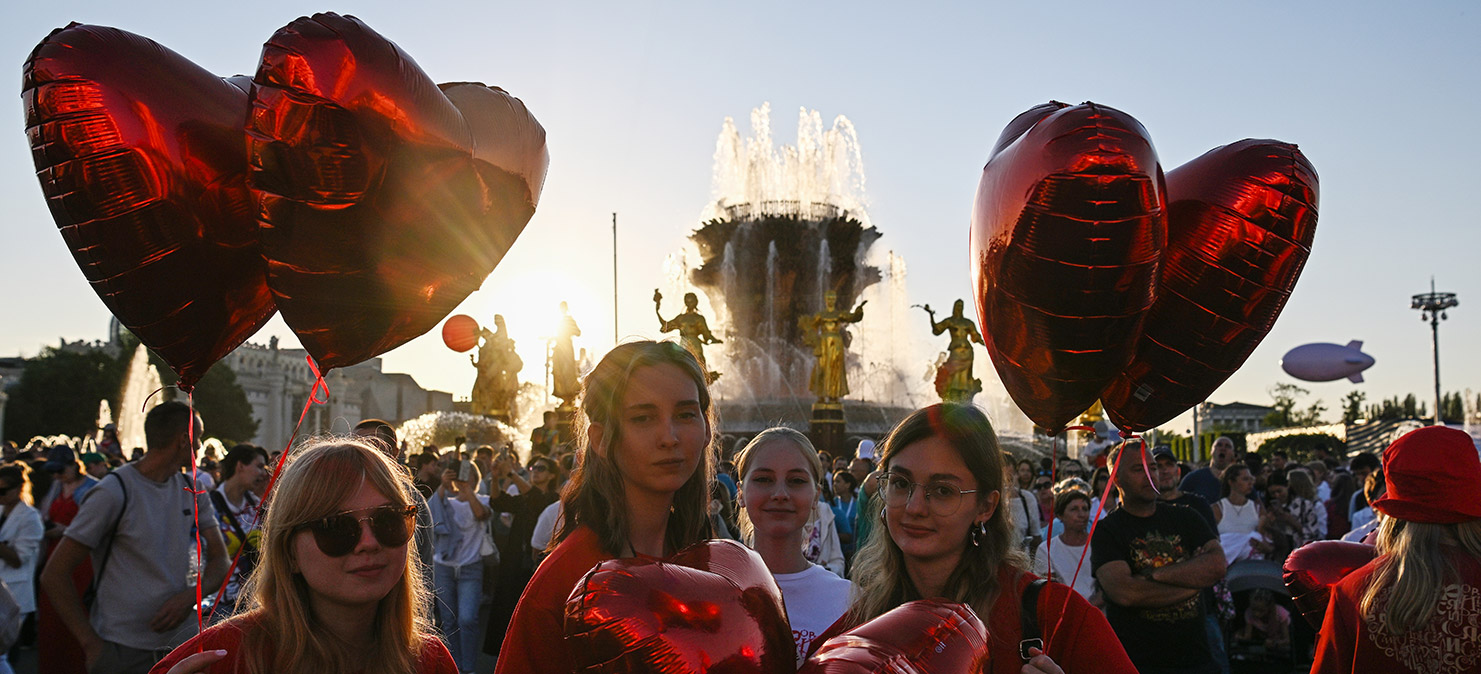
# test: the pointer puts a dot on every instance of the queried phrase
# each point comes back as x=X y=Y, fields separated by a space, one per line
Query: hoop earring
x=882 y=511
x=978 y=533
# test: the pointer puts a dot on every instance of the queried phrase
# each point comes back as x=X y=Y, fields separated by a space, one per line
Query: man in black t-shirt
x=1168 y=476
x=1152 y=561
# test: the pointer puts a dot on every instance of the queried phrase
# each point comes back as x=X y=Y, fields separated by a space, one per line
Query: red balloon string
x=1053 y=480
x=195 y=507
x=1094 y=521
x=318 y=395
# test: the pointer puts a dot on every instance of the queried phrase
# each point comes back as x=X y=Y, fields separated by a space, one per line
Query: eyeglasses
x=1043 y=485
x=7 y=488
x=338 y=534
x=942 y=498
x=539 y=468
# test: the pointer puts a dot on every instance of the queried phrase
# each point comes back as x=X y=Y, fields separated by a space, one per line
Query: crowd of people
x=364 y=557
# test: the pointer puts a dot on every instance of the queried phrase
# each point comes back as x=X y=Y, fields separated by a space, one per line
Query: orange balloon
x=460 y=333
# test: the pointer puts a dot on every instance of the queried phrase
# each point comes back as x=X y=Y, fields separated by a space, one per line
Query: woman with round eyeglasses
x=337 y=588
x=941 y=484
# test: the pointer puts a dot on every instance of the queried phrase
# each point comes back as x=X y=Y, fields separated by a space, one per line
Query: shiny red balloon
x=1312 y=569
x=712 y=607
x=1067 y=231
x=141 y=157
x=921 y=637
x=1241 y=219
x=386 y=199
x=460 y=333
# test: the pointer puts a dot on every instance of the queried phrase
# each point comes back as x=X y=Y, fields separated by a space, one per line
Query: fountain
x=136 y=399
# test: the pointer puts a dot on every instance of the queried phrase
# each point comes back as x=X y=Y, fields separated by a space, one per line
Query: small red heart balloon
x=1067 y=230
x=1241 y=220
x=1312 y=569
x=141 y=157
x=920 y=637
x=460 y=333
x=386 y=199
x=713 y=607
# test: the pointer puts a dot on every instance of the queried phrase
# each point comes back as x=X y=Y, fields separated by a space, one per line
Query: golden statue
x=565 y=375
x=694 y=331
x=823 y=331
x=497 y=384
x=954 y=380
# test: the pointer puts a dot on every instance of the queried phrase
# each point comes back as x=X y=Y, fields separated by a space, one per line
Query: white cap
x=866 y=449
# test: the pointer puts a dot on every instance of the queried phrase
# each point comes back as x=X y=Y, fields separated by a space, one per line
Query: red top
x=1449 y=644
x=1082 y=644
x=533 y=643
x=434 y=658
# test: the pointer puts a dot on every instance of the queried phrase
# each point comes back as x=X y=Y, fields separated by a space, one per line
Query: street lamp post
x=1434 y=304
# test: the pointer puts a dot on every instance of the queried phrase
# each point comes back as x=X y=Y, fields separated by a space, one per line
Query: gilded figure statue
x=565 y=374
x=823 y=331
x=498 y=365
x=694 y=331
x=954 y=380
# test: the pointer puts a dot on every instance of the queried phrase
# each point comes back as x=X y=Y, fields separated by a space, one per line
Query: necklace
x=1238 y=509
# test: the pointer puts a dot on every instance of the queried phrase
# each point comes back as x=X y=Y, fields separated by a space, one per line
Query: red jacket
x=534 y=643
x=434 y=658
x=1449 y=644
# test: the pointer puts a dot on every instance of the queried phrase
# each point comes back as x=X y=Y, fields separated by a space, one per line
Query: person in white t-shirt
x=458 y=513
x=780 y=479
x=1072 y=507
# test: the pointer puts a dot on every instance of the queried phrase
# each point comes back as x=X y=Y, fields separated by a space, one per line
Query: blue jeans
x=459 y=590
x=1216 y=641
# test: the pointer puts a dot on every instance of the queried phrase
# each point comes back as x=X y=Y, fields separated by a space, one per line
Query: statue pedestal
x=565 y=416
x=827 y=428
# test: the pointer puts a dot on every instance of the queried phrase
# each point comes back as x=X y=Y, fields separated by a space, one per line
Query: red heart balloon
x=460 y=333
x=1067 y=230
x=1241 y=219
x=386 y=199
x=1312 y=569
x=141 y=158
x=713 y=607
x=920 y=637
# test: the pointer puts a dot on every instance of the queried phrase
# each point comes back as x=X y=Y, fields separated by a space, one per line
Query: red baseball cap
x=1433 y=475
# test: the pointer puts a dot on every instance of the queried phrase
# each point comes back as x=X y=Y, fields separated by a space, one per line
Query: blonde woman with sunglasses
x=337 y=588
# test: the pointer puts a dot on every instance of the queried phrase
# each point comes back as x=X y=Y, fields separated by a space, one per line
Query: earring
x=882 y=511
x=978 y=533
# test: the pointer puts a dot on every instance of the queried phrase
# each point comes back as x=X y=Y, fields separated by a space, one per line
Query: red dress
x=1083 y=644
x=534 y=643
x=1449 y=644
x=434 y=658
x=57 y=651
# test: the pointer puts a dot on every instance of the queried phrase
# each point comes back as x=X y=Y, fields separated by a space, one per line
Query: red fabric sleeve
x=225 y=636
x=1084 y=642
x=535 y=640
x=435 y=658
x=1336 y=648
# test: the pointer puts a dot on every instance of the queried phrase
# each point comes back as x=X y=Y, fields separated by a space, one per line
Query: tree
x=1286 y=414
x=1352 y=406
x=59 y=393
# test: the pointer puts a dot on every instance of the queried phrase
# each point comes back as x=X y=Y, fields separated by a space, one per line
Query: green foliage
x=1287 y=413
x=1299 y=447
x=59 y=393
x=1352 y=406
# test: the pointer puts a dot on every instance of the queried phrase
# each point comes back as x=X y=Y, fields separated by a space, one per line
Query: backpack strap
x=91 y=594
x=1028 y=615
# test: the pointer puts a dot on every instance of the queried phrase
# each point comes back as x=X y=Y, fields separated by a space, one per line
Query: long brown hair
x=595 y=496
x=880 y=580
x=281 y=632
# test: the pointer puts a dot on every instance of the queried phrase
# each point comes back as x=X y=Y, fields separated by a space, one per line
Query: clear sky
x=1380 y=96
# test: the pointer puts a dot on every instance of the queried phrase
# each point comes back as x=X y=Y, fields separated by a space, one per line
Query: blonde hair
x=744 y=459
x=595 y=495
x=880 y=580
x=1412 y=572
x=280 y=631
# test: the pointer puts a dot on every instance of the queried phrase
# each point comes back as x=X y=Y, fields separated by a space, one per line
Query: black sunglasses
x=7 y=488
x=338 y=534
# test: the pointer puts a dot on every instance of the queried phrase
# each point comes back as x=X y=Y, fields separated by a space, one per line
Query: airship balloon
x=1327 y=362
